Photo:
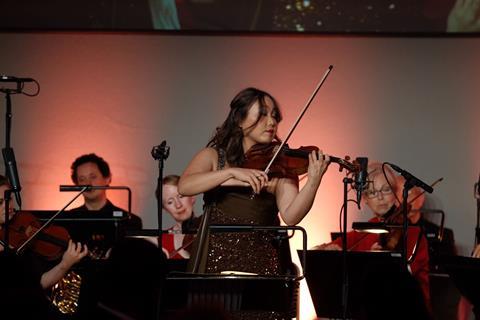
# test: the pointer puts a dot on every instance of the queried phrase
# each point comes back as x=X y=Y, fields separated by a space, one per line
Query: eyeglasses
x=374 y=193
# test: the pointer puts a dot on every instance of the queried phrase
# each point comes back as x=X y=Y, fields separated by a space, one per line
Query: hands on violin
x=257 y=179
x=74 y=253
x=317 y=165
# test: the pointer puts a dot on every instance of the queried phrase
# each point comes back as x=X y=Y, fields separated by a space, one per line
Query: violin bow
x=267 y=169
x=182 y=247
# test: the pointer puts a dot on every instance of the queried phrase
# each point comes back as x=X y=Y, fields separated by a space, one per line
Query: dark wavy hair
x=229 y=135
x=91 y=157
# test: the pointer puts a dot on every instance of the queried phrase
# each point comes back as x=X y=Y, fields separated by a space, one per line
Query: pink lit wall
x=411 y=101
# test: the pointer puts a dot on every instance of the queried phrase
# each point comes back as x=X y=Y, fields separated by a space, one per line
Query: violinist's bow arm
x=232 y=182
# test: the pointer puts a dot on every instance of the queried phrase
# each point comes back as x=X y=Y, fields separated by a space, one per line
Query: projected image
x=291 y=16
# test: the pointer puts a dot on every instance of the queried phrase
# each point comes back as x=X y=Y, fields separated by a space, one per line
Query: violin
x=289 y=162
x=392 y=240
x=282 y=166
x=50 y=243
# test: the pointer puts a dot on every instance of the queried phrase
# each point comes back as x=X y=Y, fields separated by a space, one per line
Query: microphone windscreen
x=67 y=188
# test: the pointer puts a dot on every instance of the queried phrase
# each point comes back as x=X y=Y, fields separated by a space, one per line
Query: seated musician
x=178 y=244
x=49 y=276
x=90 y=169
x=380 y=198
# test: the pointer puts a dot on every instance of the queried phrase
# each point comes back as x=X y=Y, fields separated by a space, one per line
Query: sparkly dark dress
x=261 y=252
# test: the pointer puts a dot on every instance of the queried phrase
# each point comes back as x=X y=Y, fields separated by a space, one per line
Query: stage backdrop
x=410 y=101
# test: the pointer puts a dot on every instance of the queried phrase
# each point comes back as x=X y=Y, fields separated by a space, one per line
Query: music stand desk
x=324 y=278
x=81 y=225
x=231 y=292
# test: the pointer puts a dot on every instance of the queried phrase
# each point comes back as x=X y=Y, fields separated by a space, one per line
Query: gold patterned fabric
x=259 y=252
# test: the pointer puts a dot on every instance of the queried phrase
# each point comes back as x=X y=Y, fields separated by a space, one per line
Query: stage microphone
x=12 y=173
x=361 y=177
x=67 y=188
x=161 y=151
x=4 y=78
x=414 y=180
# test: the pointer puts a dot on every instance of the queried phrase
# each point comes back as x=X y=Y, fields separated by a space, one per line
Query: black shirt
x=133 y=222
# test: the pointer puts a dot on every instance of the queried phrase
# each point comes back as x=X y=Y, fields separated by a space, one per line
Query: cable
x=341 y=212
x=31 y=94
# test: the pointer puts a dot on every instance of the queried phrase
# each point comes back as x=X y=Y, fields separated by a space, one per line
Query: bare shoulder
x=208 y=154
x=209 y=151
x=205 y=160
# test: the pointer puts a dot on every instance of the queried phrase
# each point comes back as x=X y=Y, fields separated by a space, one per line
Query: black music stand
x=465 y=273
x=325 y=279
x=232 y=293
x=236 y=292
x=83 y=226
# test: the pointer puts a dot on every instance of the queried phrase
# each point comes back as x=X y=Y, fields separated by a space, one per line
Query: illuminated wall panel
x=411 y=101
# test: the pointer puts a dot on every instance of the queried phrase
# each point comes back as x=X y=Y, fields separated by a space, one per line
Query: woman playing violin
x=227 y=186
x=380 y=198
x=73 y=254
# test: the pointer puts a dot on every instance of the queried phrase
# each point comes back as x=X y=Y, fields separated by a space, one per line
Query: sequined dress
x=261 y=252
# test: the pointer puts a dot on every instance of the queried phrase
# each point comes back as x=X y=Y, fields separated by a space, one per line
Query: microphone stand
x=476 y=192
x=8 y=129
x=8 y=113
x=346 y=182
x=406 y=187
x=9 y=157
x=410 y=182
x=5 y=241
x=8 y=154
x=160 y=153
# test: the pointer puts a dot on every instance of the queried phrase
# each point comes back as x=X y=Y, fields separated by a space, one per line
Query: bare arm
x=294 y=205
x=201 y=175
x=73 y=254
